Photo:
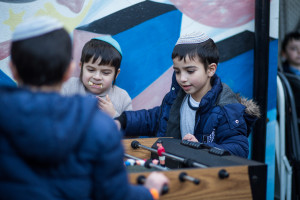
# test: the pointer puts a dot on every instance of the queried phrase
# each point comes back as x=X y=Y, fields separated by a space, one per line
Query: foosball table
x=197 y=171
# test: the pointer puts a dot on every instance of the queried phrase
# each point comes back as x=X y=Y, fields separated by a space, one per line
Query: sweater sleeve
x=127 y=106
x=121 y=100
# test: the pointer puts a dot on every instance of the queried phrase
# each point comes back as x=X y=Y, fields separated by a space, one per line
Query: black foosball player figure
x=160 y=150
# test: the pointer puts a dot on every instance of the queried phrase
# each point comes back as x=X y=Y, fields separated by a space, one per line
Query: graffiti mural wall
x=147 y=32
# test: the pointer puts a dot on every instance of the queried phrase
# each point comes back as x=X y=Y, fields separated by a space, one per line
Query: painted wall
x=147 y=32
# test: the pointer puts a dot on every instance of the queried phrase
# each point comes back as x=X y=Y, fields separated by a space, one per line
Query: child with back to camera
x=100 y=65
x=290 y=52
x=53 y=146
x=199 y=107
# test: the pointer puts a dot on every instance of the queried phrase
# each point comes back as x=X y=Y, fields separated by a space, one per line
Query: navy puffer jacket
x=54 y=147
x=223 y=119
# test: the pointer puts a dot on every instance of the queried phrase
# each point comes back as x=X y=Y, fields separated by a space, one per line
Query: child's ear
x=211 y=70
x=69 y=71
x=14 y=71
x=118 y=72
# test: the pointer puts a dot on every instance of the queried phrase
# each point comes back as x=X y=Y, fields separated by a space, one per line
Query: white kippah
x=192 y=38
x=35 y=27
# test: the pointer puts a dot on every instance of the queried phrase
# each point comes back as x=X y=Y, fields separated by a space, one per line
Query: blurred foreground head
x=41 y=52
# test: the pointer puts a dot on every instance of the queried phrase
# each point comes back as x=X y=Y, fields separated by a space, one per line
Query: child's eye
x=107 y=72
x=191 y=71
x=176 y=71
x=90 y=70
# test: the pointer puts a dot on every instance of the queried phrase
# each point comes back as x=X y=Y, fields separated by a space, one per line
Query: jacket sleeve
x=110 y=176
x=142 y=122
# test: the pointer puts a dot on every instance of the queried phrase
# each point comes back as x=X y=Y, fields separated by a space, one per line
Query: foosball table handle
x=141 y=180
x=223 y=174
x=184 y=177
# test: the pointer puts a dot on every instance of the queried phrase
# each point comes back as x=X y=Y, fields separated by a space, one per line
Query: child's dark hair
x=289 y=37
x=44 y=59
x=97 y=48
x=206 y=51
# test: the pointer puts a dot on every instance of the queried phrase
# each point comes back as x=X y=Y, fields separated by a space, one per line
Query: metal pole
x=261 y=71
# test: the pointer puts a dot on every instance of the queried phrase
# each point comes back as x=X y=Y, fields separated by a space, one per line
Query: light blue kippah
x=35 y=27
x=110 y=41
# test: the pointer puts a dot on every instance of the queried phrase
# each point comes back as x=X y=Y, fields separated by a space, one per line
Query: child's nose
x=98 y=75
x=183 y=78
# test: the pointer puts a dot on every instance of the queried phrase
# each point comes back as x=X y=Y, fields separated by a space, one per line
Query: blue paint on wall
x=147 y=50
x=270 y=153
x=237 y=73
x=271 y=115
x=6 y=80
x=272 y=83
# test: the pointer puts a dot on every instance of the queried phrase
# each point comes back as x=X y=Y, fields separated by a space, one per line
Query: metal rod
x=184 y=177
x=141 y=179
x=151 y=165
x=135 y=144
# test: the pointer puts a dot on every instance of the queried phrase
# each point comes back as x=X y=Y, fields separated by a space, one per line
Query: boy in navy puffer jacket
x=55 y=147
x=199 y=107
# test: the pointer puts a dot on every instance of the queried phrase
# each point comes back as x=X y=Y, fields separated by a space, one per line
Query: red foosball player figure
x=160 y=150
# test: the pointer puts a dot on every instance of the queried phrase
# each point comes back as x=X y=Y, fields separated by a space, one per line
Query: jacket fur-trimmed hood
x=251 y=107
x=227 y=96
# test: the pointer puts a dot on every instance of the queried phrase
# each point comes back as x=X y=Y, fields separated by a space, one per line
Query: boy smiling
x=99 y=67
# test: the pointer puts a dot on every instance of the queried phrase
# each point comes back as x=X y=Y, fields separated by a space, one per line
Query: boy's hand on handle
x=190 y=137
x=156 y=180
x=106 y=106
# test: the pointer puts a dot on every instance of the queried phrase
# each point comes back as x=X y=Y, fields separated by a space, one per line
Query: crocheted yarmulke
x=35 y=27
x=110 y=41
x=192 y=38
